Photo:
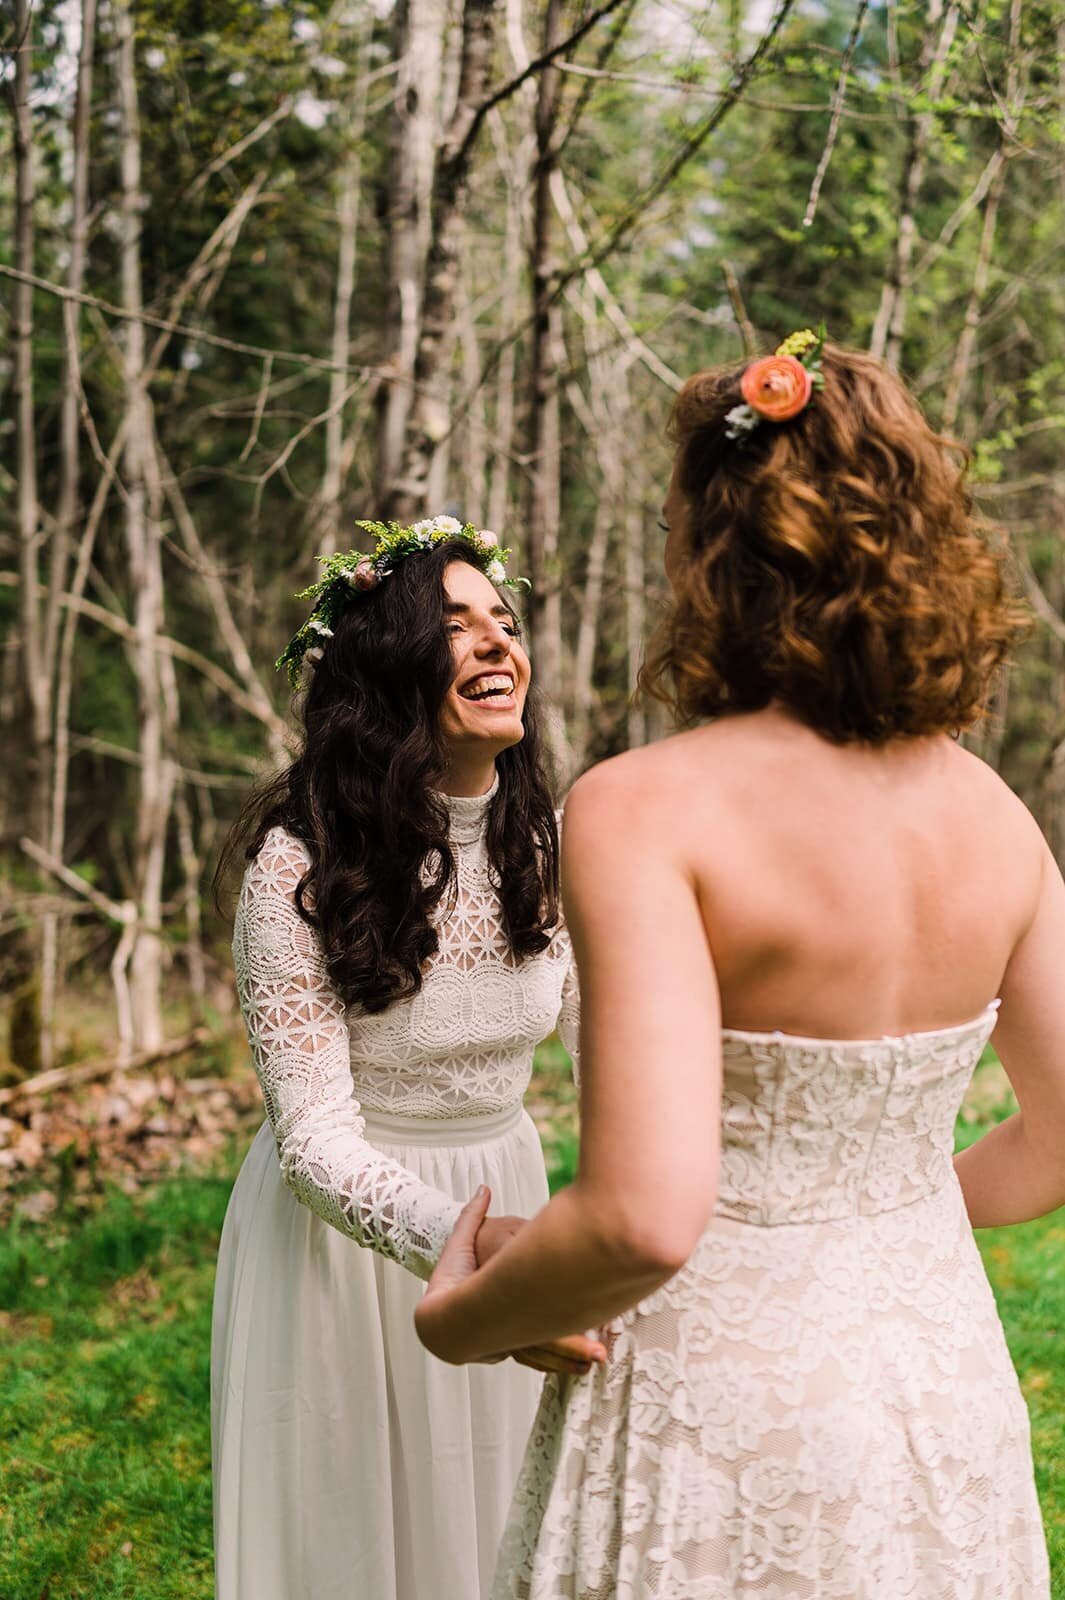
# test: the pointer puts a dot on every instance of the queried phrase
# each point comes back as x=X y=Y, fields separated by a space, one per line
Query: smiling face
x=481 y=713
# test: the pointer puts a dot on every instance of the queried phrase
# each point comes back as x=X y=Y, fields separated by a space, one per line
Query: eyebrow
x=456 y=608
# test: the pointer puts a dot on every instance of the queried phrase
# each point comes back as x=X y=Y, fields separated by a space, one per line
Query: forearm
x=568 y=1270
x=1008 y=1177
x=377 y=1203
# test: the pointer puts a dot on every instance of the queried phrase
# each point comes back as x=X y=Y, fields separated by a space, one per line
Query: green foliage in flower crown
x=348 y=573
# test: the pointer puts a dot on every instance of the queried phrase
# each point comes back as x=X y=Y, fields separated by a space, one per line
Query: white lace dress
x=821 y=1405
x=348 y=1463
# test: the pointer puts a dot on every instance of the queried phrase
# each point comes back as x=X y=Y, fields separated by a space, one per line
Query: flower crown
x=777 y=387
x=351 y=572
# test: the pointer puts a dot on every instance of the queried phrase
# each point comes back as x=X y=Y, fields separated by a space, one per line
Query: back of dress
x=821 y=1404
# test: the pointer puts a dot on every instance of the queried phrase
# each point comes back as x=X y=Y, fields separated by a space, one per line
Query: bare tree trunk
x=544 y=508
x=635 y=603
x=429 y=421
x=963 y=355
x=418 y=28
x=473 y=454
x=503 y=441
x=258 y=700
x=156 y=773
x=69 y=421
x=69 y=498
x=350 y=186
x=27 y=509
x=591 y=608
x=597 y=415
x=516 y=170
x=192 y=866
x=26 y=1040
x=890 y=324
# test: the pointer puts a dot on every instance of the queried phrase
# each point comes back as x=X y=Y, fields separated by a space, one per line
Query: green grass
x=105 y=1489
x=1026 y=1266
x=104 y=1348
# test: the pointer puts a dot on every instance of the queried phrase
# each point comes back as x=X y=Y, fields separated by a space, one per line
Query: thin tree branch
x=261 y=129
x=173 y=647
x=512 y=85
x=837 y=112
x=739 y=310
x=599 y=252
x=120 y=912
x=185 y=330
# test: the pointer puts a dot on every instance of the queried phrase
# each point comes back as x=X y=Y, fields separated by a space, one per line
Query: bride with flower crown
x=398 y=955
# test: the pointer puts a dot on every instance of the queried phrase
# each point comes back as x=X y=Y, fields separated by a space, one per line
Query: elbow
x=656 y=1240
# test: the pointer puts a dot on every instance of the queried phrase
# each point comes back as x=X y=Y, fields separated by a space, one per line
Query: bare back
x=847 y=891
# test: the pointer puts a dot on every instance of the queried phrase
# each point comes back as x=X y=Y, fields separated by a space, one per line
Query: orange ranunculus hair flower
x=777 y=387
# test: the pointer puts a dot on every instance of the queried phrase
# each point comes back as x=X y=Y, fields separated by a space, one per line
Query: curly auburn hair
x=832 y=563
x=360 y=794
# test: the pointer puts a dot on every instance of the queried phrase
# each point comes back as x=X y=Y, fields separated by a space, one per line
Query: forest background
x=266 y=268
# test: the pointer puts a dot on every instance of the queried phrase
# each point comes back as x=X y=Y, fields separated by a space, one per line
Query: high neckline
x=468 y=813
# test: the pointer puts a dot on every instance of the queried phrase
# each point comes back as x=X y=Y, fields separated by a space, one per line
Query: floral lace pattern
x=821 y=1405
x=462 y=1047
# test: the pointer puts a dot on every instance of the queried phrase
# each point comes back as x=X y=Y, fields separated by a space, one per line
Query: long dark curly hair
x=833 y=562
x=360 y=795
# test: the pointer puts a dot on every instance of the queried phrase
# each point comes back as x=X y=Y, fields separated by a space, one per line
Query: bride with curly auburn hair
x=398 y=954
x=797 y=924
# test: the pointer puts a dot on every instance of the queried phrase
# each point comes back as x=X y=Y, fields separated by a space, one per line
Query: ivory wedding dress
x=348 y=1463
x=821 y=1405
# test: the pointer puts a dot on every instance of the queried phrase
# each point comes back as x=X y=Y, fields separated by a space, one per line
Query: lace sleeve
x=299 y=1040
x=569 y=1017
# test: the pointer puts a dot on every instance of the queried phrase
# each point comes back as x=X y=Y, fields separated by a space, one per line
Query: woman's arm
x=650 y=1088
x=299 y=1039
x=1017 y=1171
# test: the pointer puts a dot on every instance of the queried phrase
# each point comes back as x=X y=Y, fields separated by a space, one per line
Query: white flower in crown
x=495 y=572
x=320 y=627
x=445 y=525
x=489 y=538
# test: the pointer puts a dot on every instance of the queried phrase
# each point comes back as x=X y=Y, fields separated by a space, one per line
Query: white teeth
x=483 y=688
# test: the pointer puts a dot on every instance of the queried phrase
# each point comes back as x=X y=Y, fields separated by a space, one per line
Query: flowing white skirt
x=348 y=1463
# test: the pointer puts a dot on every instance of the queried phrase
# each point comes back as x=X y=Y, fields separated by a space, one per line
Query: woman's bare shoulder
x=994 y=796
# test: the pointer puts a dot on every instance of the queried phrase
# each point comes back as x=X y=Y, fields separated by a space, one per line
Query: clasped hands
x=474 y=1240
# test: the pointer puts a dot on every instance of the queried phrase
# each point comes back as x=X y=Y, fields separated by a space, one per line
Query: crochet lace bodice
x=461 y=1047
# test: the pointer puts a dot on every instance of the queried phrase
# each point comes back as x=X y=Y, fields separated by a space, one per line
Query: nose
x=494 y=640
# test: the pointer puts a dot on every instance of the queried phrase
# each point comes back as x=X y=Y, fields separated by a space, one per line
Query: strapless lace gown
x=348 y=1463
x=821 y=1405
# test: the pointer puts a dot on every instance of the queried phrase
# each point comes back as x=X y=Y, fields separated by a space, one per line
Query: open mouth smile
x=490 y=689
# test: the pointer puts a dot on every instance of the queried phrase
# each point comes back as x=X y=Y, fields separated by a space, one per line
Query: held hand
x=459 y=1257
x=459 y=1261
x=433 y=1320
x=577 y=1353
x=493 y=1234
